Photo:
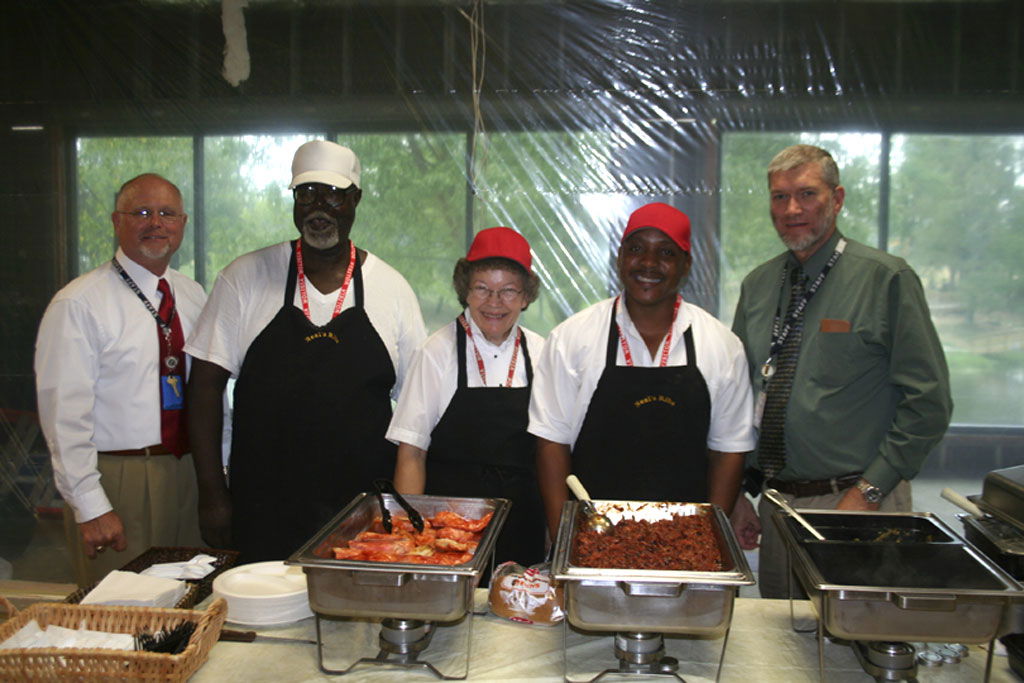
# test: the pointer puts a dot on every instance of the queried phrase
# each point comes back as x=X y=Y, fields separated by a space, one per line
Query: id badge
x=172 y=392
x=762 y=398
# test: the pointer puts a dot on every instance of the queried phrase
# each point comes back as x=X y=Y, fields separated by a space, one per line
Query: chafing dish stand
x=388 y=613
x=655 y=618
x=880 y=579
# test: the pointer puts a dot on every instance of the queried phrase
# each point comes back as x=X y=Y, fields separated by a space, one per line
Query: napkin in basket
x=129 y=588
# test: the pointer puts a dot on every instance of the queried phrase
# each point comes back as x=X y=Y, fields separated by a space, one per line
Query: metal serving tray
x=695 y=603
x=1002 y=495
x=355 y=588
x=937 y=589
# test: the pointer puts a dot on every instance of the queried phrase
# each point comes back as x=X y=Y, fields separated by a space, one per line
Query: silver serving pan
x=354 y=588
x=928 y=585
x=695 y=603
x=1002 y=495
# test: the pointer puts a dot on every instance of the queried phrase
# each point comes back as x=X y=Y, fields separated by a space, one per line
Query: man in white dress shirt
x=110 y=372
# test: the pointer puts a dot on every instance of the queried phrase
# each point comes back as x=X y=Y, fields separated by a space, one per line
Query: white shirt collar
x=629 y=329
x=143 y=277
x=482 y=342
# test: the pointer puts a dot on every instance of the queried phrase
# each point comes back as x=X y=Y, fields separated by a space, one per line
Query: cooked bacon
x=457 y=534
x=447 y=518
x=450 y=540
x=399 y=547
x=447 y=545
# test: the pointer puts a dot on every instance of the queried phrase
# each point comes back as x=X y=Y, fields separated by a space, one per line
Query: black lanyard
x=781 y=332
x=165 y=327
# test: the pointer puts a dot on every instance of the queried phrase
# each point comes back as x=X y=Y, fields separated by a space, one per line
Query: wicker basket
x=199 y=588
x=96 y=664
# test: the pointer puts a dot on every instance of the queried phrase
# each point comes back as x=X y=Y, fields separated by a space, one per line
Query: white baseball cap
x=320 y=161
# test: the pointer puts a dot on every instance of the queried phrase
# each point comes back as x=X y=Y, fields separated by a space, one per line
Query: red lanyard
x=344 y=283
x=480 y=360
x=668 y=339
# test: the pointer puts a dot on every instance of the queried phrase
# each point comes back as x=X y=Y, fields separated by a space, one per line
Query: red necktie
x=173 y=422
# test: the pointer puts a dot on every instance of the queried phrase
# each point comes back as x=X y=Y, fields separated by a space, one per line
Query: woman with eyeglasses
x=461 y=420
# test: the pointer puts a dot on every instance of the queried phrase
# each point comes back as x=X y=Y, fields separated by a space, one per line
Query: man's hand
x=105 y=531
x=745 y=523
x=853 y=499
x=215 y=520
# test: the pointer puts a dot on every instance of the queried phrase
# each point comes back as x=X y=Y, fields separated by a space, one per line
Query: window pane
x=748 y=237
x=413 y=211
x=248 y=203
x=103 y=165
x=550 y=186
x=956 y=213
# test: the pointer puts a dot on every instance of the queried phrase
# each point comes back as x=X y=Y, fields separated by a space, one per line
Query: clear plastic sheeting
x=555 y=118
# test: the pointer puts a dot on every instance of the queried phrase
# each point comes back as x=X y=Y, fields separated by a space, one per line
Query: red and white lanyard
x=668 y=339
x=344 y=283
x=479 y=358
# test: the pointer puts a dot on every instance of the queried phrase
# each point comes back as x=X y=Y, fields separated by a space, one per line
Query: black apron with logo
x=645 y=433
x=480 y=449
x=310 y=411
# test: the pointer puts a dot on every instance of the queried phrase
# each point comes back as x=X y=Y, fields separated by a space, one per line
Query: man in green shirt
x=868 y=387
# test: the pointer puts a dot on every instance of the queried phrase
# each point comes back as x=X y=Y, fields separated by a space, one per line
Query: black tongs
x=382 y=486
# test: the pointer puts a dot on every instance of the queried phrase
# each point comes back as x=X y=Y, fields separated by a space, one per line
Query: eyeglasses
x=507 y=294
x=334 y=196
x=162 y=215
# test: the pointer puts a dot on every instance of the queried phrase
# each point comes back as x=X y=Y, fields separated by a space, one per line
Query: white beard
x=321 y=239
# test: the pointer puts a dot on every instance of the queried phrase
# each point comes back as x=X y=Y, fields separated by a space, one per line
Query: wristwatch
x=871 y=493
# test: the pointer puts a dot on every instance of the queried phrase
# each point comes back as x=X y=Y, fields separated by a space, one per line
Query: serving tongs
x=382 y=486
x=774 y=496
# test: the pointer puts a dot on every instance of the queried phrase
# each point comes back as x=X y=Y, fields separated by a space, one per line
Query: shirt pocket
x=836 y=359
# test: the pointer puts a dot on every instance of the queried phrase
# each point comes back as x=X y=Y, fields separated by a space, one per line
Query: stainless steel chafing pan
x=688 y=602
x=355 y=588
x=933 y=587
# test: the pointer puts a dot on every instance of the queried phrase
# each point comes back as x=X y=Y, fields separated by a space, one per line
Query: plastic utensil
x=596 y=521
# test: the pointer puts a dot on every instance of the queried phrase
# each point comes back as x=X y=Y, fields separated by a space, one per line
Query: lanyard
x=668 y=339
x=165 y=326
x=344 y=283
x=781 y=332
x=479 y=358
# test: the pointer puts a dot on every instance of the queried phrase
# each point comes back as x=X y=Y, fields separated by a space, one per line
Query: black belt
x=819 y=487
x=158 y=449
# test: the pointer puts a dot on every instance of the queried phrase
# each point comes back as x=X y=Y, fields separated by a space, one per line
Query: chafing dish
x=929 y=586
x=355 y=588
x=683 y=602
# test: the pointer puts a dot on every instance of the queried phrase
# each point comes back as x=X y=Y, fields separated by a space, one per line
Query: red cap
x=668 y=219
x=500 y=243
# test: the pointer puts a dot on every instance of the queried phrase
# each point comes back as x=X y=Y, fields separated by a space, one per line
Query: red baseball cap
x=500 y=243
x=668 y=219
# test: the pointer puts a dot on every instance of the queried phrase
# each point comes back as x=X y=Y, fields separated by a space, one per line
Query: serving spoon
x=774 y=496
x=596 y=521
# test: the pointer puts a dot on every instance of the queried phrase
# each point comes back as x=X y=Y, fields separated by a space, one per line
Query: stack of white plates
x=264 y=594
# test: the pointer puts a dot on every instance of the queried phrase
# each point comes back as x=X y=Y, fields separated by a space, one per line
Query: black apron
x=480 y=449
x=645 y=433
x=311 y=408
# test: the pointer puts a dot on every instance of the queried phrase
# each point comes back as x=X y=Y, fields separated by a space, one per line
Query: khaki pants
x=158 y=502
x=772 y=558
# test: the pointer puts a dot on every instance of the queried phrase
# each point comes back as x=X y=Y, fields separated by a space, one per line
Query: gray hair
x=798 y=155
x=465 y=269
x=128 y=183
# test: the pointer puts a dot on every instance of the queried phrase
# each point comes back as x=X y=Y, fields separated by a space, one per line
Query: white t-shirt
x=568 y=370
x=97 y=373
x=250 y=291
x=433 y=378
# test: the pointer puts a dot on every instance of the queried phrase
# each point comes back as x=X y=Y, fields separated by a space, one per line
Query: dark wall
x=132 y=67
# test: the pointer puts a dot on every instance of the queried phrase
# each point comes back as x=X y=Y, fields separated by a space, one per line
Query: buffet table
x=761 y=647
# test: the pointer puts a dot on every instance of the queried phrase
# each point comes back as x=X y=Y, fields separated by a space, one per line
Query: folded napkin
x=30 y=635
x=196 y=568
x=129 y=588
